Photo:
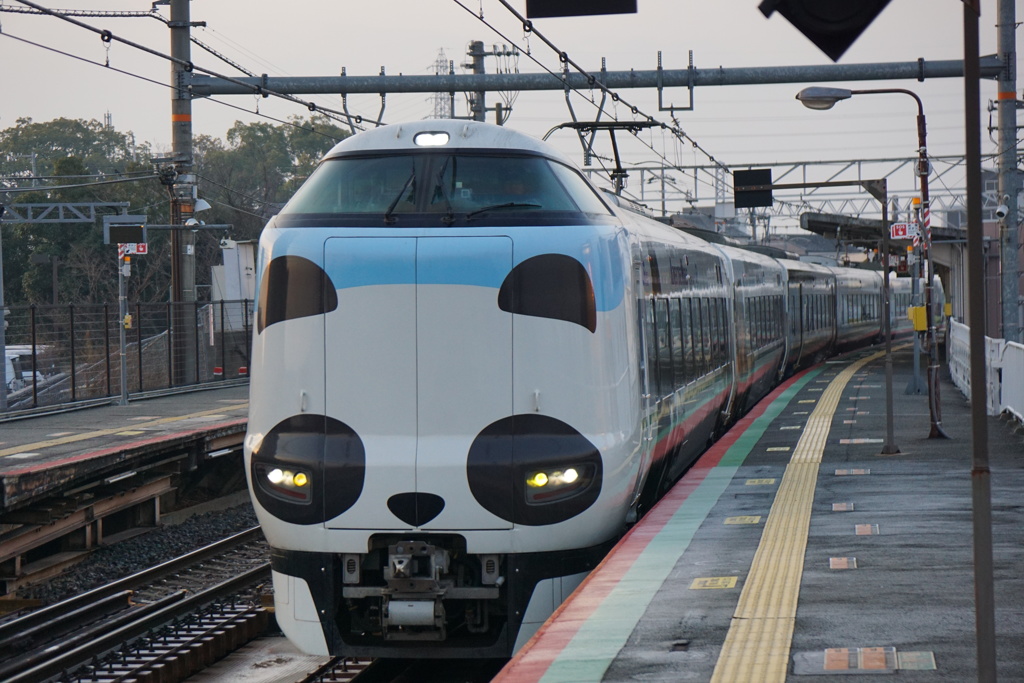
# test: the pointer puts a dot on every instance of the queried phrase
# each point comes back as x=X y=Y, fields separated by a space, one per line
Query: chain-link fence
x=65 y=354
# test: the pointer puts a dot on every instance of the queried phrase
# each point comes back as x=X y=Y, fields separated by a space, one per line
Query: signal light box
x=124 y=229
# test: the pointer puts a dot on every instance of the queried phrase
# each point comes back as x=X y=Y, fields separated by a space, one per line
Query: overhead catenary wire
x=593 y=80
x=48 y=188
x=189 y=66
x=617 y=99
x=162 y=84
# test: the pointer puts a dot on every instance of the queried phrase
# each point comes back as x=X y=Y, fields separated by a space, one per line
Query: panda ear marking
x=293 y=287
x=552 y=286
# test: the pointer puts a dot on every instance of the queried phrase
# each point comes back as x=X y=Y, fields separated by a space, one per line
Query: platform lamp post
x=824 y=98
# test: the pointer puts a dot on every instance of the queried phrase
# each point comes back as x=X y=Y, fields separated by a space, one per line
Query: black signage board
x=542 y=9
x=748 y=199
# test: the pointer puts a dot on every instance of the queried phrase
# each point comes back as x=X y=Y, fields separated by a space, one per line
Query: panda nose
x=415 y=509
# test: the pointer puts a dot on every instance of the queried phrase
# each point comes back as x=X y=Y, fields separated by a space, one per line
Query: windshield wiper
x=449 y=218
x=391 y=207
x=506 y=205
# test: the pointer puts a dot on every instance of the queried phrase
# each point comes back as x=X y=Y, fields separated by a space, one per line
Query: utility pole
x=1009 y=176
x=182 y=192
x=477 y=105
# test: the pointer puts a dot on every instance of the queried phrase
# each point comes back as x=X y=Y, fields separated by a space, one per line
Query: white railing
x=1012 y=362
x=1004 y=370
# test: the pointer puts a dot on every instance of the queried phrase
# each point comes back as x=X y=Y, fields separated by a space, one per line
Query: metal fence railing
x=67 y=354
x=1004 y=371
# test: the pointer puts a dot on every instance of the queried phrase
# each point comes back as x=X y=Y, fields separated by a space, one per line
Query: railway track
x=169 y=622
x=161 y=624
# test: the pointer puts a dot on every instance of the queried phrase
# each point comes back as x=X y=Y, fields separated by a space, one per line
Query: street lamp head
x=820 y=98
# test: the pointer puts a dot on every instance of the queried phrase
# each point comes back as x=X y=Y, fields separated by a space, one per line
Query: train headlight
x=552 y=472
x=289 y=483
x=549 y=485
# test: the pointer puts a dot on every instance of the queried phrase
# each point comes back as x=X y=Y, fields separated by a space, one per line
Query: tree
x=66 y=152
x=246 y=178
x=249 y=179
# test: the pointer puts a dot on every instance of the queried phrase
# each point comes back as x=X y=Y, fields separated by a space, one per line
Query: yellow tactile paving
x=39 y=445
x=757 y=646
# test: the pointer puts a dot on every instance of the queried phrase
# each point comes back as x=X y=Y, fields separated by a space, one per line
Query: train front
x=444 y=429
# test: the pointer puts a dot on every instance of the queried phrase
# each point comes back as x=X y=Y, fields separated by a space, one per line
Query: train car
x=471 y=371
x=759 y=301
x=858 y=304
x=905 y=293
x=445 y=430
x=810 y=313
x=688 y=375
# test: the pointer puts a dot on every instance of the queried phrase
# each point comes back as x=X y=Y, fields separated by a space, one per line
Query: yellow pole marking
x=757 y=646
x=114 y=430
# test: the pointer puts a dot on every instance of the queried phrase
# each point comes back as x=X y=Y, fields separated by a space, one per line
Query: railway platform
x=794 y=551
x=41 y=455
x=79 y=478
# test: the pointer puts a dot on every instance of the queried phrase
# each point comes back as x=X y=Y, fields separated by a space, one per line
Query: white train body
x=462 y=394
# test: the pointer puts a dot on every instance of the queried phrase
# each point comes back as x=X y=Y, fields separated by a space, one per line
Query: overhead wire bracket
x=618 y=174
x=661 y=87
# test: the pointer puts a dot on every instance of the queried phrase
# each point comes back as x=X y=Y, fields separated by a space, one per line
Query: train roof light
x=430 y=139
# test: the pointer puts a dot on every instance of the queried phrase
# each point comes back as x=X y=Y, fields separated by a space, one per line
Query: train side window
x=720 y=340
x=706 y=333
x=699 y=321
x=690 y=310
x=651 y=344
x=752 y=322
x=777 y=321
x=758 y=323
x=716 y=331
x=664 y=347
x=675 y=323
x=687 y=332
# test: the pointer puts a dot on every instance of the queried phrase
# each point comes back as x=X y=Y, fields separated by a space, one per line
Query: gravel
x=133 y=555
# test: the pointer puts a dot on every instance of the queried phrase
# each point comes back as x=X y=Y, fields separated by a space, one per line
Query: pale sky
x=739 y=125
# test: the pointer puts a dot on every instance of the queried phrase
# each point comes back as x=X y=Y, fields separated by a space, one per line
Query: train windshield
x=471 y=189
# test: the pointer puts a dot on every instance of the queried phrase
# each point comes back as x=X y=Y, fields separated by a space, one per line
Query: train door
x=418 y=364
x=370 y=366
x=463 y=372
x=797 y=320
x=646 y=352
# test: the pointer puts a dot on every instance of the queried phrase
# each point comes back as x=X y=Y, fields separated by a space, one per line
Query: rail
x=57 y=355
x=1004 y=371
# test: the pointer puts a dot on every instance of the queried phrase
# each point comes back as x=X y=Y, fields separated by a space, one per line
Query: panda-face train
x=472 y=371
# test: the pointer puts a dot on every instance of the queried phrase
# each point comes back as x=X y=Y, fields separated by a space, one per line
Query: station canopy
x=864 y=232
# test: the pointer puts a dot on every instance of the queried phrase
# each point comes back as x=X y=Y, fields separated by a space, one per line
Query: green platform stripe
x=595 y=646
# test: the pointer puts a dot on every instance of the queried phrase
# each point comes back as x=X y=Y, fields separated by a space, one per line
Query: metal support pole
x=981 y=487
x=74 y=367
x=889 y=447
x=122 y=307
x=1009 y=176
x=183 y=189
x=923 y=169
x=476 y=53
x=3 y=328
x=916 y=386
